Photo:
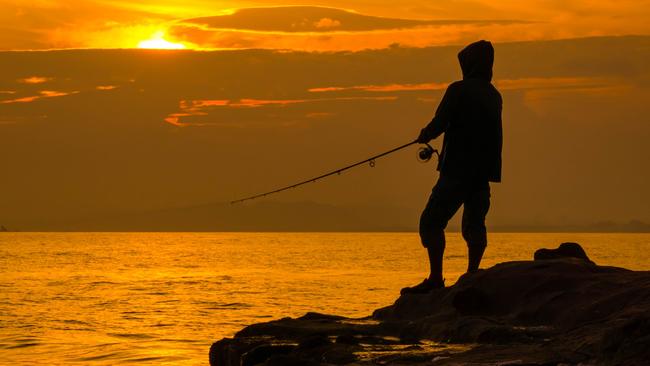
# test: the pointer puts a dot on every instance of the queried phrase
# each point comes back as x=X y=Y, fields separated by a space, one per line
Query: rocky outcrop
x=559 y=309
x=565 y=250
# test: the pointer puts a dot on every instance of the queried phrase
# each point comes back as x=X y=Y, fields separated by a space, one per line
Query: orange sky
x=94 y=137
x=47 y=24
x=106 y=134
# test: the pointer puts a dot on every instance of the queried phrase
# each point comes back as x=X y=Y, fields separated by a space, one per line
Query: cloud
x=535 y=83
x=335 y=40
x=539 y=83
x=327 y=23
x=194 y=108
x=60 y=24
x=53 y=24
x=42 y=94
x=313 y=28
x=382 y=88
x=35 y=80
x=316 y=19
x=564 y=123
x=48 y=24
x=319 y=115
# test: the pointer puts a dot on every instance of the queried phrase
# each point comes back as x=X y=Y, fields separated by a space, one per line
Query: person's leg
x=444 y=202
x=476 y=207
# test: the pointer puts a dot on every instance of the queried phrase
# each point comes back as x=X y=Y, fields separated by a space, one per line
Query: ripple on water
x=127 y=357
x=76 y=322
x=167 y=301
x=158 y=293
x=156 y=358
x=100 y=297
x=104 y=356
x=213 y=305
x=181 y=340
x=19 y=342
x=131 y=335
x=101 y=283
x=189 y=282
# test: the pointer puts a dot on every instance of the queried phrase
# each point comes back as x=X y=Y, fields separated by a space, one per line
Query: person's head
x=476 y=60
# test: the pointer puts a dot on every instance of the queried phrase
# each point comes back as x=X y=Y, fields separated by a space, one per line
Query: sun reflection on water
x=163 y=298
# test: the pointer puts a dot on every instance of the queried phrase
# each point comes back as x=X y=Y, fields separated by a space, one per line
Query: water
x=163 y=298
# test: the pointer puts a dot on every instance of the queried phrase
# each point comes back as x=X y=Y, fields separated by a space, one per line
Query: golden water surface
x=163 y=298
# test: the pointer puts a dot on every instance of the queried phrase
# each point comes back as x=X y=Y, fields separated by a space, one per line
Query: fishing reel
x=425 y=153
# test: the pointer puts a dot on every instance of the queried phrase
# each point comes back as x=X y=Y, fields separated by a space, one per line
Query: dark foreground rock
x=558 y=310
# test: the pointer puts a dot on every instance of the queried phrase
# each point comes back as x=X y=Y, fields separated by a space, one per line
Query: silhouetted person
x=470 y=117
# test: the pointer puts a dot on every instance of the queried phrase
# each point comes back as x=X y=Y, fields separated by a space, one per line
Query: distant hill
x=260 y=216
x=269 y=216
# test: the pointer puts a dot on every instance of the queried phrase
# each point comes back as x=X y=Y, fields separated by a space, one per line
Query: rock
x=284 y=360
x=559 y=309
x=229 y=351
x=347 y=339
x=472 y=301
x=338 y=355
x=263 y=352
x=565 y=250
x=628 y=343
x=314 y=342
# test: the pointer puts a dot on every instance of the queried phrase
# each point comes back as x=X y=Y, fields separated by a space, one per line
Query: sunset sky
x=249 y=96
x=52 y=24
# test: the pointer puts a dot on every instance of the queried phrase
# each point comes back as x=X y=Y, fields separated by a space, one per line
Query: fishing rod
x=424 y=155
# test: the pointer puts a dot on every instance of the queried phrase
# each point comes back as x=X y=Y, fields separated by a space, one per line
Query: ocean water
x=163 y=298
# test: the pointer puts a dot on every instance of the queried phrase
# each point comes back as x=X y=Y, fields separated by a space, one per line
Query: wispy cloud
x=203 y=107
x=292 y=19
x=42 y=94
x=35 y=80
x=29 y=25
x=382 y=88
x=313 y=28
x=553 y=83
x=503 y=84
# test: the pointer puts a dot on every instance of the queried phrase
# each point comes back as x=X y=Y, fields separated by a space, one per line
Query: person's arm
x=444 y=114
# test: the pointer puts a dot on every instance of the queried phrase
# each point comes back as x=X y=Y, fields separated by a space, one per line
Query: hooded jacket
x=469 y=115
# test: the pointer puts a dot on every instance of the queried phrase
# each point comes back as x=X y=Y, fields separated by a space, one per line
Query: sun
x=158 y=41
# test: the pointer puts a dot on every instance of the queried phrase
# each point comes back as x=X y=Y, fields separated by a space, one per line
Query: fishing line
x=424 y=154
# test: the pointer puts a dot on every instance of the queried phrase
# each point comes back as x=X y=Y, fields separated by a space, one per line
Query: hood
x=476 y=60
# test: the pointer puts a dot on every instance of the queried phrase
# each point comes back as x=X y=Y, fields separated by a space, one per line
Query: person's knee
x=432 y=230
x=432 y=235
x=432 y=238
x=475 y=235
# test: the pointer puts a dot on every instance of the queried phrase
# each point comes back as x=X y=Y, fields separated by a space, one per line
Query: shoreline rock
x=561 y=309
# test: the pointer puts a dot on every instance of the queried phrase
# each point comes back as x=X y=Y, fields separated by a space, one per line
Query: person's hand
x=423 y=138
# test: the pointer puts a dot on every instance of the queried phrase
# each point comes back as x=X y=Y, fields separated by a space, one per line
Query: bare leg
x=475 y=254
x=435 y=262
x=474 y=231
x=443 y=203
x=435 y=280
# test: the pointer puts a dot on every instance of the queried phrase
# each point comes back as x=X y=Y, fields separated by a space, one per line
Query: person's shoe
x=424 y=287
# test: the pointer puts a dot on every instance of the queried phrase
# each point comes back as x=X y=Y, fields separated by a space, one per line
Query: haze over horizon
x=135 y=139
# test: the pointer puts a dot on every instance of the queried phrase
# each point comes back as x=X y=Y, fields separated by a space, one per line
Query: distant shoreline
x=512 y=230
